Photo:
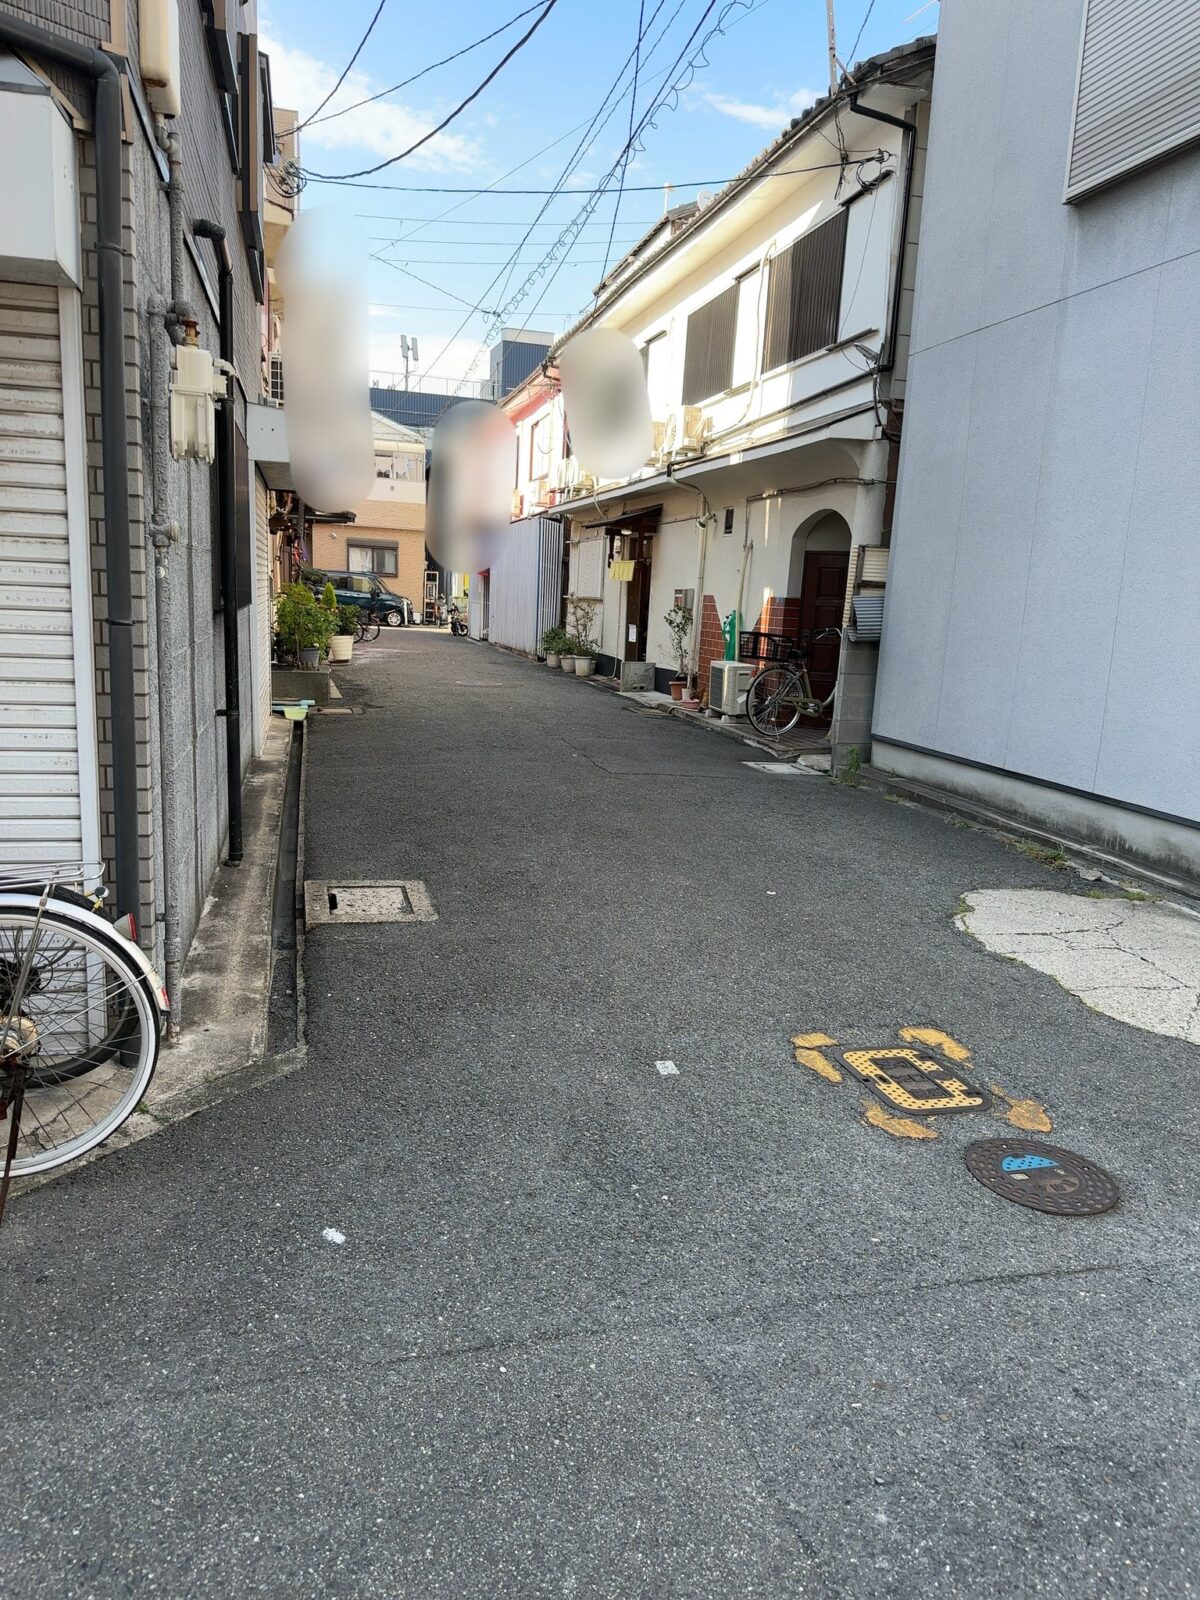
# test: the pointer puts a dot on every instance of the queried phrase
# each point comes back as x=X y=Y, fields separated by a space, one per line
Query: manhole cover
x=780 y=769
x=1042 y=1176
x=908 y=1081
x=329 y=902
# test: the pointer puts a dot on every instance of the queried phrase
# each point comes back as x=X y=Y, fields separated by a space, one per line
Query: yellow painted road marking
x=955 y=1095
x=808 y=1040
x=899 y=1127
x=937 y=1040
x=819 y=1063
x=1030 y=1116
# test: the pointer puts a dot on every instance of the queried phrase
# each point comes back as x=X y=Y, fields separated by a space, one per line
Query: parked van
x=364 y=589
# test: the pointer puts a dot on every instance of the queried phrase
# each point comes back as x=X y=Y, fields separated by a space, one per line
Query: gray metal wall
x=526 y=583
x=1045 y=565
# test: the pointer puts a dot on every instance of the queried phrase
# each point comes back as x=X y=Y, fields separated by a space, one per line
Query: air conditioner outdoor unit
x=695 y=431
x=539 y=491
x=518 y=505
x=727 y=685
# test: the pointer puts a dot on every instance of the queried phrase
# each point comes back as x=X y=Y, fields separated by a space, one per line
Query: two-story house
x=134 y=612
x=1041 y=656
x=520 y=594
x=772 y=318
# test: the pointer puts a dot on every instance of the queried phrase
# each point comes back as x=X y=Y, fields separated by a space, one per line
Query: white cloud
x=776 y=114
x=301 y=82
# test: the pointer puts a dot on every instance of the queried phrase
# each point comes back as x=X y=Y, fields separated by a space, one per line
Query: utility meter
x=196 y=385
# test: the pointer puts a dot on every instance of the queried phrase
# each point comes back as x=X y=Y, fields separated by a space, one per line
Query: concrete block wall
x=854 y=703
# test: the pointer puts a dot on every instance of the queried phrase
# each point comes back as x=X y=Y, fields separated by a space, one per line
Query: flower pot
x=567 y=663
x=551 y=658
x=677 y=686
x=341 y=647
x=689 y=705
x=584 y=666
x=310 y=657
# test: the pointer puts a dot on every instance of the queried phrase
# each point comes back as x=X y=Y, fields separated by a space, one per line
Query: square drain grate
x=344 y=903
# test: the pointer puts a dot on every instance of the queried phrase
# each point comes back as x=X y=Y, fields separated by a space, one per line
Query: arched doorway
x=817 y=577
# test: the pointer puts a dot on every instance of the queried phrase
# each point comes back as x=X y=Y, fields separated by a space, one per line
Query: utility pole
x=833 y=60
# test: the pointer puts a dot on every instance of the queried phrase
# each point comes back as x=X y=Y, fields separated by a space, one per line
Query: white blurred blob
x=608 y=412
x=470 y=485
x=322 y=272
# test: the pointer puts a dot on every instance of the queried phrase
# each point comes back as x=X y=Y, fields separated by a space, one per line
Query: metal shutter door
x=40 y=808
x=708 y=354
x=1138 y=92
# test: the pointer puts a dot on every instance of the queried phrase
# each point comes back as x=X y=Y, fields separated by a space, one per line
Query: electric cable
x=370 y=99
x=366 y=172
x=629 y=138
x=345 y=70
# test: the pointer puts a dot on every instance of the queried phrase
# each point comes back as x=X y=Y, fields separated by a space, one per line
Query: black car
x=365 y=590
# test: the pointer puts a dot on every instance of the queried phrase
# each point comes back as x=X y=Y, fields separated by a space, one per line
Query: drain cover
x=1042 y=1176
x=908 y=1081
x=327 y=902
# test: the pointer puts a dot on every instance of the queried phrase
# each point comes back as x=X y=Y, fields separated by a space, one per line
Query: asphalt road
x=594 y=1330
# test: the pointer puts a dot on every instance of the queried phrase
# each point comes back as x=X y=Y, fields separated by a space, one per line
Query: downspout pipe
x=226 y=494
x=887 y=358
x=114 y=434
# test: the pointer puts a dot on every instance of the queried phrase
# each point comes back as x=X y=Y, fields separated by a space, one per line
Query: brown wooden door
x=822 y=601
x=637 y=601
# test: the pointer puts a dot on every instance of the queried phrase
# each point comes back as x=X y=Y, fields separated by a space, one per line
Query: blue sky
x=768 y=64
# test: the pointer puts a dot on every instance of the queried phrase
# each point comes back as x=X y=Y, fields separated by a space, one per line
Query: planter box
x=584 y=666
x=341 y=647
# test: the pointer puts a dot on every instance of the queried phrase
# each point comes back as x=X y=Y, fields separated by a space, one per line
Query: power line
x=366 y=172
x=436 y=287
x=637 y=61
x=390 y=239
x=345 y=69
x=404 y=83
x=630 y=188
x=859 y=34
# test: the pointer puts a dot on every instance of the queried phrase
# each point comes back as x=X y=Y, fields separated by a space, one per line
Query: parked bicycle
x=81 y=1017
x=368 y=627
x=781 y=692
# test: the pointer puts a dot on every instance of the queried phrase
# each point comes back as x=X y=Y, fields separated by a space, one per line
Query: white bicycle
x=81 y=1017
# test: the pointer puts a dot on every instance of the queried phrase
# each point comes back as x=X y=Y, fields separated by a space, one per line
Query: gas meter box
x=196 y=386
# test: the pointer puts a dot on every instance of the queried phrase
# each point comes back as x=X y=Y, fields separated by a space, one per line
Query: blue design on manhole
x=1026 y=1163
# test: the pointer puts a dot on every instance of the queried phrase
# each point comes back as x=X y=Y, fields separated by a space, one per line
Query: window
x=251 y=187
x=377 y=558
x=654 y=363
x=708 y=359
x=1135 y=100
x=745 y=339
x=804 y=294
x=539 y=448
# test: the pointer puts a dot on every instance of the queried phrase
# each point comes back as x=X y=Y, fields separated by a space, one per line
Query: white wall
x=1041 y=596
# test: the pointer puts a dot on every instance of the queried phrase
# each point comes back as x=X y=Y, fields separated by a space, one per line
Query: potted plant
x=679 y=626
x=341 y=646
x=566 y=656
x=582 y=618
x=303 y=628
x=554 y=641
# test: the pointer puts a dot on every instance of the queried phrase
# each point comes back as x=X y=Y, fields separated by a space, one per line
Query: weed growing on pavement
x=1047 y=855
x=1118 y=894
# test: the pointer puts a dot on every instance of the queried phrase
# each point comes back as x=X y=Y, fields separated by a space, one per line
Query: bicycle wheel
x=370 y=630
x=78 y=1045
x=773 y=701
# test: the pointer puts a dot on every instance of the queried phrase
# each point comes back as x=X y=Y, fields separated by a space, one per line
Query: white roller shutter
x=1138 y=92
x=48 y=803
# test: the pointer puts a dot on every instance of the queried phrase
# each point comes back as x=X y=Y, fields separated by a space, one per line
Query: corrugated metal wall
x=526 y=583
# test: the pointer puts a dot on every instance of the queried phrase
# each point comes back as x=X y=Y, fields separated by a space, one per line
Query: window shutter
x=804 y=295
x=708 y=358
x=1138 y=92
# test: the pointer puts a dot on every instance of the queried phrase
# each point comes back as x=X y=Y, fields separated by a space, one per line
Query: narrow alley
x=555 y=1271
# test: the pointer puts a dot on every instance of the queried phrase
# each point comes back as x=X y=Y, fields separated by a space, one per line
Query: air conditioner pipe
x=114 y=436
x=226 y=491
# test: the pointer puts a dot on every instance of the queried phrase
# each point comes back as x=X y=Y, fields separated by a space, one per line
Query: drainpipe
x=887 y=356
x=226 y=492
x=114 y=438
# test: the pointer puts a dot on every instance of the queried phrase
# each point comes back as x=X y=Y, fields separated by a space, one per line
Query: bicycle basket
x=764 y=647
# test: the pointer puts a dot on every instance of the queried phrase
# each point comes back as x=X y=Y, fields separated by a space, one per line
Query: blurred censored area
x=471 y=471
x=604 y=393
x=322 y=272
x=470 y=485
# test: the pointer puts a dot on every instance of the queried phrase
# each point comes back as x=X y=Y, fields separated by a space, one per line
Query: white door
x=49 y=801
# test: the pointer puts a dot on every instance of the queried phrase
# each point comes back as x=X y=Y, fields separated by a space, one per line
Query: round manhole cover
x=1042 y=1176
